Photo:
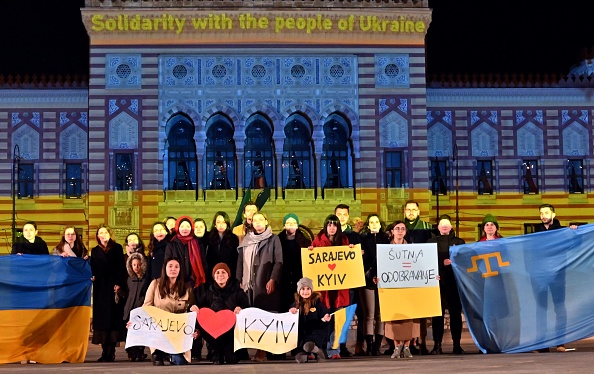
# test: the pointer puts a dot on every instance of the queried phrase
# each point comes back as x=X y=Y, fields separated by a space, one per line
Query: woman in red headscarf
x=186 y=247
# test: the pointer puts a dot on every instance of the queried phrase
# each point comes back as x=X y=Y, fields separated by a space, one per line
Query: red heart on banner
x=332 y=266
x=216 y=323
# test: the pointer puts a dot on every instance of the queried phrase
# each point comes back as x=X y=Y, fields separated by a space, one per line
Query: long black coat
x=292 y=269
x=217 y=298
x=221 y=250
x=109 y=269
x=156 y=259
x=369 y=244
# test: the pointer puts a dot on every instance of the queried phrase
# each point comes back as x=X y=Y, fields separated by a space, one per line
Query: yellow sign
x=334 y=268
x=409 y=303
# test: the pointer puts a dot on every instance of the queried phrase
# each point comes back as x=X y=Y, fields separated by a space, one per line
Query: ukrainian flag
x=45 y=308
x=342 y=321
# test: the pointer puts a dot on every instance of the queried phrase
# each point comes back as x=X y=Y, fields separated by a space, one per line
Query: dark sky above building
x=480 y=36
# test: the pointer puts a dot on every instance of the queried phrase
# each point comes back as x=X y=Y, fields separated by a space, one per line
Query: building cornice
x=43 y=97
x=512 y=97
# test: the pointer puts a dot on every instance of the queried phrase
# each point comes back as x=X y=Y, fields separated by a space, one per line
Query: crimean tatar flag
x=342 y=320
x=44 y=308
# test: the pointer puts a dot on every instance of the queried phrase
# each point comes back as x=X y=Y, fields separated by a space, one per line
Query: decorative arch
x=123 y=132
x=530 y=140
x=73 y=143
x=258 y=160
x=180 y=163
x=27 y=139
x=485 y=141
x=575 y=140
x=393 y=130
x=220 y=160
x=297 y=163
x=439 y=141
x=337 y=156
x=267 y=111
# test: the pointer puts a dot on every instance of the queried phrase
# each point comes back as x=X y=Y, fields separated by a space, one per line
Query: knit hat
x=490 y=218
x=221 y=265
x=291 y=215
x=304 y=282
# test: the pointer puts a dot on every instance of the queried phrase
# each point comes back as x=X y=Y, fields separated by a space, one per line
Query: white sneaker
x=406 y=353
x=396 y=353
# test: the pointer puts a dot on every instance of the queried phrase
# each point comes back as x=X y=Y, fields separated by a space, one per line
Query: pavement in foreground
x=579 y=361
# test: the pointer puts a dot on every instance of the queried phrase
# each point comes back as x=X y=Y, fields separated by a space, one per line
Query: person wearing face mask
x=109 y=274
x=447 y=287
x=185 y=246
x=30 y=243
x=158 y=241
x=373 y=233
x=71 y=245
x=259 y=268
x=222 y=244
x=292 y=240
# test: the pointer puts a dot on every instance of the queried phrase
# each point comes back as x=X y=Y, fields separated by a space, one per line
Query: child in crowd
x=138 y=282
x=313 y=321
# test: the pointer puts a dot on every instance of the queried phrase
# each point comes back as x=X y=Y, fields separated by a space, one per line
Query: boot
x=359 y=349
x=423 y=349
x=391 y=346
x=437 y=349
x=377 y=345
x=457 y=349
x=369 y=343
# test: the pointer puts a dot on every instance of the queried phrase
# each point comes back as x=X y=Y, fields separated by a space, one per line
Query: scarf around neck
x=195 y=258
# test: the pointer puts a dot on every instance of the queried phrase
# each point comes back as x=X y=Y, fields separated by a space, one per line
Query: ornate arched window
x=297 y=154
x=258 y=151
x=336 y=155
x=181 y=153
x=220 y=154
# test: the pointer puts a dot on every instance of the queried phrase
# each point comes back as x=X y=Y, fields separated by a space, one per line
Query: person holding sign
x=223 y=294
x=171 y=294
x=447 y=287
x=400 y=333
x=313 y=321
x=331 y=235
x=373 y=233
x=259 y=268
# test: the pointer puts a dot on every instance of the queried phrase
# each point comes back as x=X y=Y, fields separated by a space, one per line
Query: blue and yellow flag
x=527 y=292
x=342 y=321
x=44 y=308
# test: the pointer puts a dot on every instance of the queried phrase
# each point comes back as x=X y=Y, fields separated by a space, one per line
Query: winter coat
x=444 y=242
x=217 y=298
x=336 y=299
x=311 y=326
x=267 y=265
x=418 y=231
x=292 y=270
x=157 y=258
x=221 y=250
x=109 y=270
x=554 y=226
x=25 y=247
x=369 y=242
x=137 y=286
x=179 y=250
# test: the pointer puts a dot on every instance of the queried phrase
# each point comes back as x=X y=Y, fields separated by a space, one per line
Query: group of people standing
x=187 y=267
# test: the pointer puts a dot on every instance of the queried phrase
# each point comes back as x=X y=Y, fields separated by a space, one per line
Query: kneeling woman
x=170 y=293
x=224 y=293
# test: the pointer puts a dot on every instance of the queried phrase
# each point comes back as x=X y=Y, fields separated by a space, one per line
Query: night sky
x=480 y=36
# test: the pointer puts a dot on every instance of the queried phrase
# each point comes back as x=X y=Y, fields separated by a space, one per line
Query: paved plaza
x=579 y=361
